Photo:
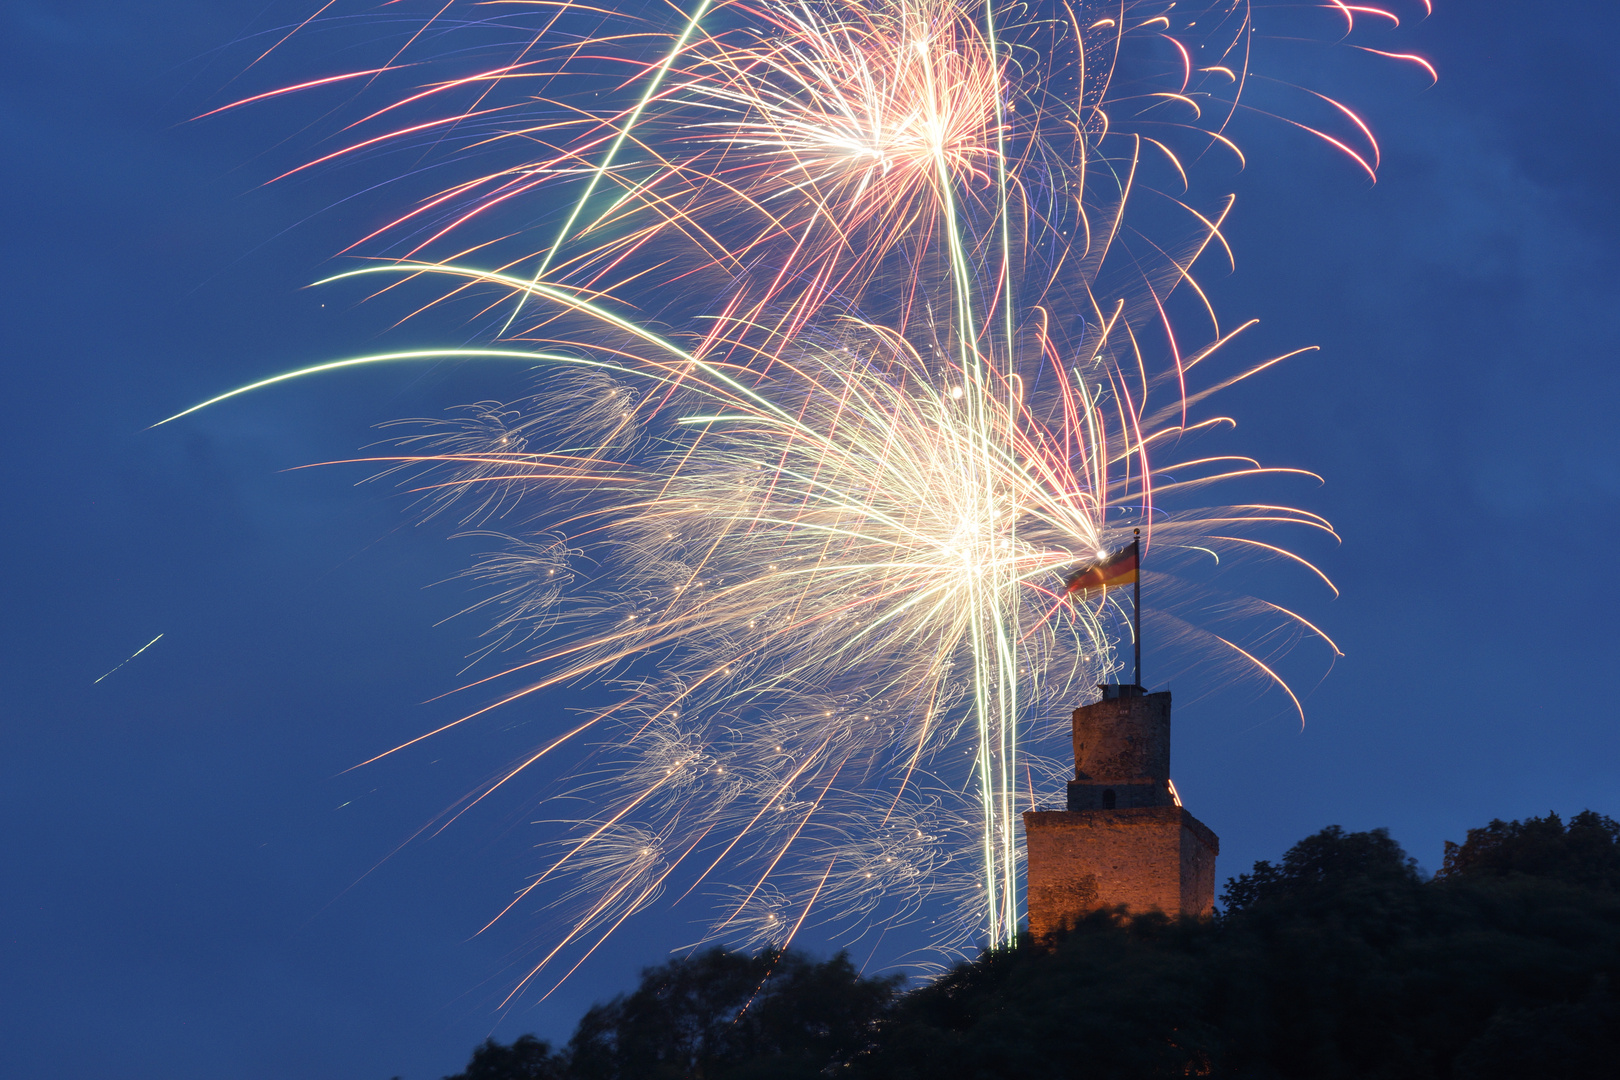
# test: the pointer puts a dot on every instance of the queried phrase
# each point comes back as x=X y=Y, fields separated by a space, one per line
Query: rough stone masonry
x=1125 y=838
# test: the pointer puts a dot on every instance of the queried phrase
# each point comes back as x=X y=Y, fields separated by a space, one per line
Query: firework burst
x=852 y=347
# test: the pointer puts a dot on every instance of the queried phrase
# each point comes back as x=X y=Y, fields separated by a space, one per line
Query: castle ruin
x=1125 y=837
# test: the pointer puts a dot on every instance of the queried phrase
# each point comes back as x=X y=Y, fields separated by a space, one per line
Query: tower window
x=1108 y=799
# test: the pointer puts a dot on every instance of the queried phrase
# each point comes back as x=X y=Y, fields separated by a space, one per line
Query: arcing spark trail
x=855 y=342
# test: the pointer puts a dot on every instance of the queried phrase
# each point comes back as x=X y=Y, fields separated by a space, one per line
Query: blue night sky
x=190 y=884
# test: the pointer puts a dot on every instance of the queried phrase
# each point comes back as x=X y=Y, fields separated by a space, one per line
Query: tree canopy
x=1338 y=961
x=1321 y=867
x=1586 y=852
x=527 y=1058
x=722 y=1015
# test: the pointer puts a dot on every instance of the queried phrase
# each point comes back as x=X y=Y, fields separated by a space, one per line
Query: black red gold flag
x=1114 y=570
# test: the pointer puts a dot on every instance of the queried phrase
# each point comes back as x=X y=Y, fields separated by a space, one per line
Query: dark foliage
x=1321 y=867
x=1585 y=853
x=1117 y=998
x=526 y=1059
x=1564 y=1040
x=722 y=1015
x=1339 y=961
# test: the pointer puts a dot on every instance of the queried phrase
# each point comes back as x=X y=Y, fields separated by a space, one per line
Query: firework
x=854 y=340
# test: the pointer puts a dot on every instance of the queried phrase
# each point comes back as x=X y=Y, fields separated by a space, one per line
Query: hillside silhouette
x=1340 y=960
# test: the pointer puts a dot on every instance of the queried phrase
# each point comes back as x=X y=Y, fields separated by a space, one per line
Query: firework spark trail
x=920 y=363
x=130 y=657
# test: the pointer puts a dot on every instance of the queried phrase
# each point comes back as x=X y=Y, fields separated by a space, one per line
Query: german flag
x=1114 y=570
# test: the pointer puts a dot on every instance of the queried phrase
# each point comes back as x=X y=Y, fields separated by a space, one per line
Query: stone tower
x=1125 y=838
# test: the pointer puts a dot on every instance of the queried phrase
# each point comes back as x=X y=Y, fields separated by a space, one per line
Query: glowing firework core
x=849 y=355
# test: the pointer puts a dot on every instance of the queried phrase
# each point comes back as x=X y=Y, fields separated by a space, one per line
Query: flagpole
x=1136 y=605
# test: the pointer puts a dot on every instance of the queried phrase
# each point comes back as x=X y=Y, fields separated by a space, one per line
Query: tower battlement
x=1124 y=838
x=1122 y=753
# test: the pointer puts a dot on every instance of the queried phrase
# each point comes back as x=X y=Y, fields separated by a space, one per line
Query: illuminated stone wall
x=1123 y=839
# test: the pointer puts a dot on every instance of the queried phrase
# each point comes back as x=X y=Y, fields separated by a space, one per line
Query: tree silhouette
x=1585 y=853
x=1321 y=866
x=720 y=1014
x=528 y=1058
x=1337 y=962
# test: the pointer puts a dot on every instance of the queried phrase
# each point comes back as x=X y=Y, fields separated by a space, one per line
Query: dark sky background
x=191 y=886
